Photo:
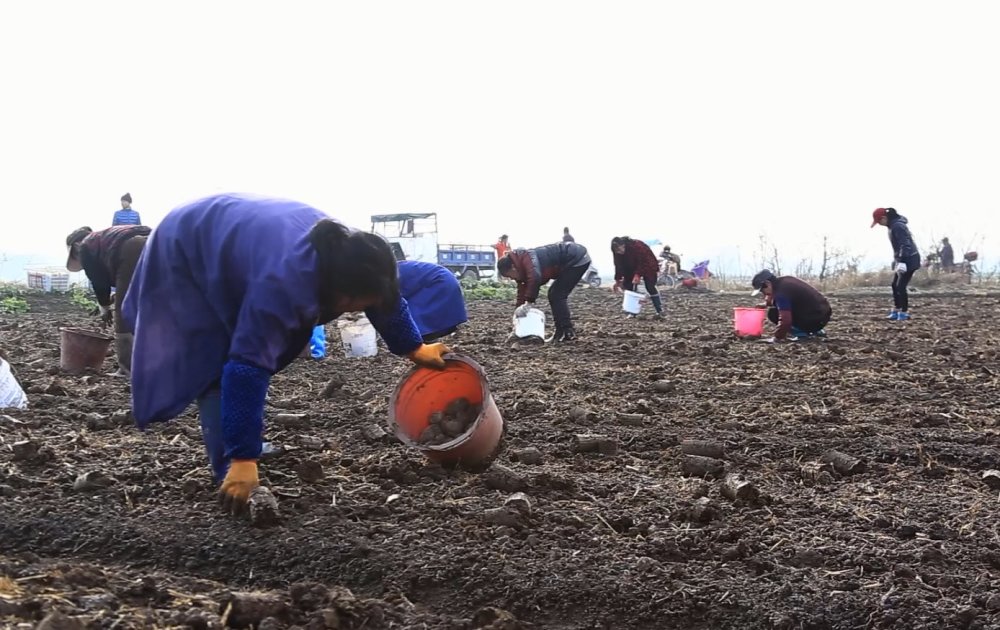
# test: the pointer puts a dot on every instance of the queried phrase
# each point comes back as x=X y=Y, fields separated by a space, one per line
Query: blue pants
x=210 y=416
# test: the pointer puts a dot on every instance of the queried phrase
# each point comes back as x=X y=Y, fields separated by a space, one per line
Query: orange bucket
x=423 y=391
x=81 y=349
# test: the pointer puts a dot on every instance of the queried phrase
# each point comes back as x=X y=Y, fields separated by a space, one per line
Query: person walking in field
x=227 y=293
x=109 y=258
x=567 y=237
x=905 y=257
x=635 y=262
x=796 y=307
x=566 y=263
x=126 y=216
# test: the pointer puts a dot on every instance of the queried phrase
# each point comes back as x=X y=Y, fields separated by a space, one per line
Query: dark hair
x=565 y=229
x=503 y=236
x=618 y=241
x=353 y=264
x=504 y=265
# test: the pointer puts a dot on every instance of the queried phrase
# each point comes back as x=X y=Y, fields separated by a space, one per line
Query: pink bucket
x=749 y=322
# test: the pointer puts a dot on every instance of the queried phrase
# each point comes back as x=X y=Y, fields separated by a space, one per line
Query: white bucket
x=358 y=338
x=531 y=325
x=11 y=394
x=632 y=302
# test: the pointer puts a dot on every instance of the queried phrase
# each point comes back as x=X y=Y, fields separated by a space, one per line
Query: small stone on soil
x=24 y=450
x=704 y=448
x=992 y=479
x=291 y=420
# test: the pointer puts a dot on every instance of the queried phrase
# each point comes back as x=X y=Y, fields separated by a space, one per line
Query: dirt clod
x=590 y=443
x=992 y=479
x=453 y=421
x=309 y=470
x=706 y=467
x=91 y=481
x=737 y=489
x=373 y=433
x=664 y=387
x=59 y=621
x=246 y=609
x=843 y=463
x=704 y=448
x=263 y=508
x=530 y=455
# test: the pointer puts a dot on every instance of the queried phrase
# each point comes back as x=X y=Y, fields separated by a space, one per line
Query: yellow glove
x=236 y=487
x=430 y=355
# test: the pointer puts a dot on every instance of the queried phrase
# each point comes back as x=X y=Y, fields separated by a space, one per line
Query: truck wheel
x=471 y=275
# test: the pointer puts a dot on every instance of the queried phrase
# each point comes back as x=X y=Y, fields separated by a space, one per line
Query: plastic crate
x=49 y=279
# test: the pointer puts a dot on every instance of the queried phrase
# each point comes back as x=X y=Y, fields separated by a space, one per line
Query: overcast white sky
x=700 y=123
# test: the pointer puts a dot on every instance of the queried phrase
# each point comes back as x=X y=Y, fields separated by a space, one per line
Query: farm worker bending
x=905 y=259
x=635 y=261
x=108 y=257
x=227 y=293
x=796 y=307
x=531 y=268
x=435 y=298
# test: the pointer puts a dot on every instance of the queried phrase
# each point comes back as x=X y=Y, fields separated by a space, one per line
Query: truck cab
x=414 y=236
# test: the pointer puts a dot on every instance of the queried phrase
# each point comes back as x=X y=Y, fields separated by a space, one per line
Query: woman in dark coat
x=635 y=262
x=905 y=259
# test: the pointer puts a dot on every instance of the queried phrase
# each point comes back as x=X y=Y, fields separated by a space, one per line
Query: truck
x=414 y=236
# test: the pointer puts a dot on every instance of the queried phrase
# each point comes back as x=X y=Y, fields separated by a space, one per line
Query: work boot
x=903 y=316
x=123 y=350
x=564 y=334
x=657 y=304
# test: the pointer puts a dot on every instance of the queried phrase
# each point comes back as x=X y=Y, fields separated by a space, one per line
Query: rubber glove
x=522 y=311
x=901 y=268
x=236 y=487
x=430 y=355
x=635 y=280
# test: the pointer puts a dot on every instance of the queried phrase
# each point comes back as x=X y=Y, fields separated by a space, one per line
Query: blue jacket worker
x=227 y=293
x=798 y=309
x=435 y=298
x=126 y=216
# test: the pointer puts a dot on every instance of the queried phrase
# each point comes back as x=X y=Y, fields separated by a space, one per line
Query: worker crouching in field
x=565 y=262
x=434 y=296
x=227 y=293
x=635 y=262
x=109 y=257
x=797 y=308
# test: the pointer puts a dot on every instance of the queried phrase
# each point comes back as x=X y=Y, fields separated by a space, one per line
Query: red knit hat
x=878 y=215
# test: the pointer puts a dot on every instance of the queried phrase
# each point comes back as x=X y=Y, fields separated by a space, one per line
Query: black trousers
x=810 y=324
x=563 y=285
x=650 y=283
x=900 y=297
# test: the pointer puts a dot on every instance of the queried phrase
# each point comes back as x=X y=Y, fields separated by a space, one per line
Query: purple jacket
x=228 y=277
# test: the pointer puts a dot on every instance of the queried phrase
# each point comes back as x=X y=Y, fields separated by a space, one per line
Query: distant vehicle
x=414 y=236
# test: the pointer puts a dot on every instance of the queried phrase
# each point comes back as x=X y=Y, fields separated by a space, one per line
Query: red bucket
x=423 y=391
x=81 y=349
